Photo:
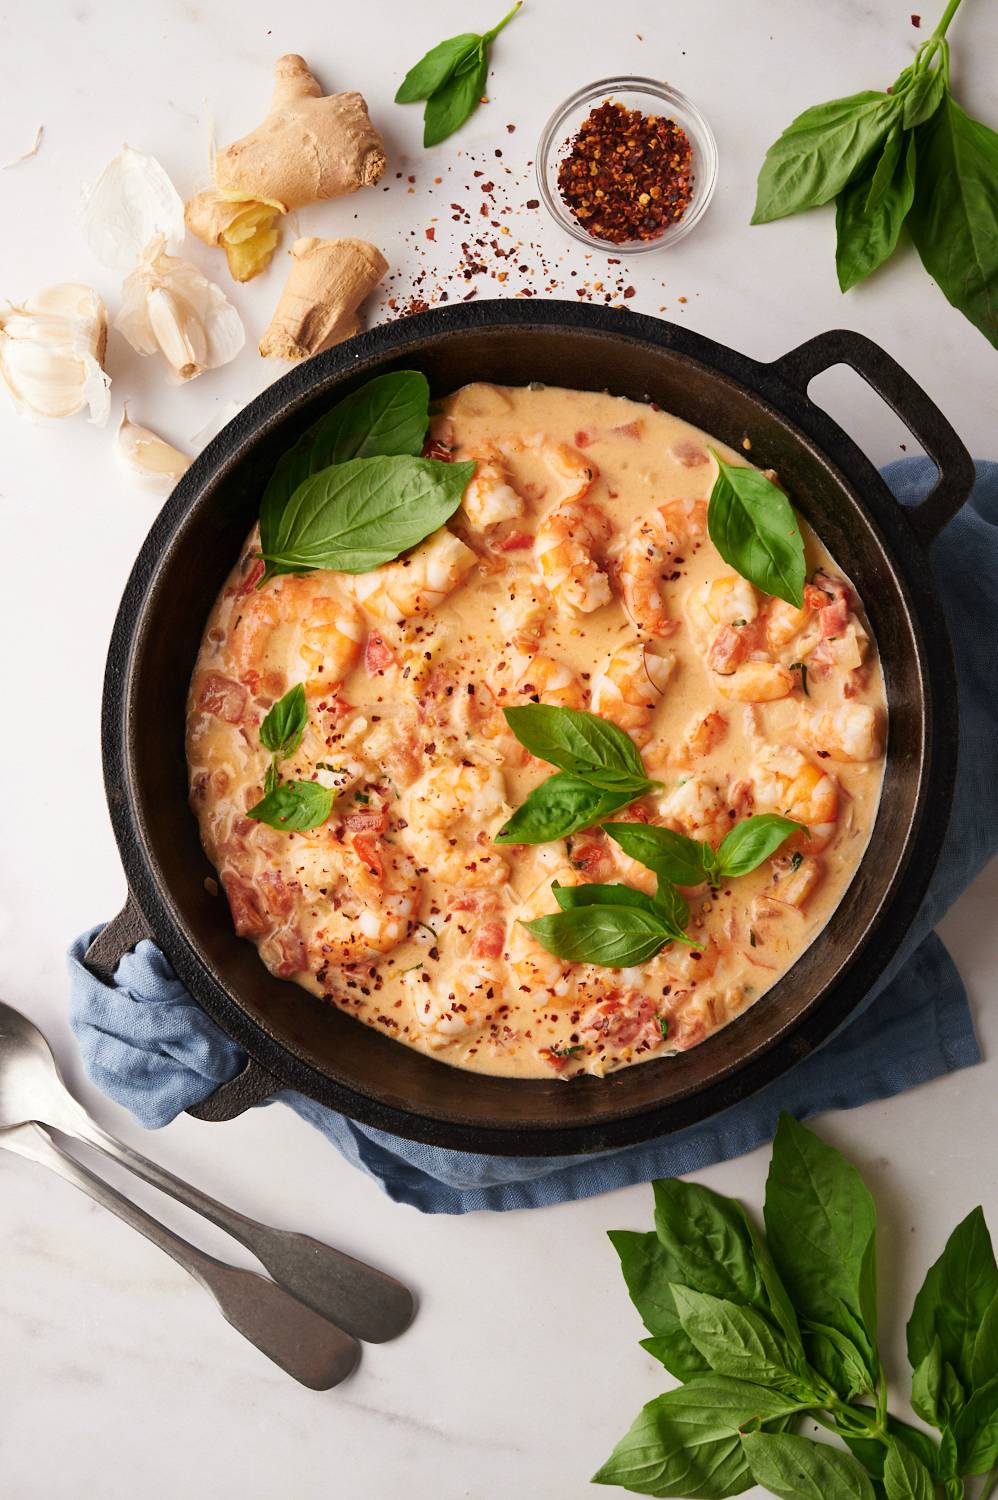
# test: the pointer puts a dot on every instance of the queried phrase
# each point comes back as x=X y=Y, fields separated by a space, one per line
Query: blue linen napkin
x=146 y=1043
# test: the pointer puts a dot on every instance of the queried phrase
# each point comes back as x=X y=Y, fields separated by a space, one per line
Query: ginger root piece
x=318 y=308
x=310 y=147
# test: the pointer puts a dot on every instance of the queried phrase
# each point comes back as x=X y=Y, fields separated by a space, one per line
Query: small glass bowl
x=652 y=98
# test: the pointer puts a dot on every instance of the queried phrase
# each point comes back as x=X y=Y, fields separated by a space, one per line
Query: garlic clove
x=147 y=457
x=51 y=351
x=168 y=307
x=132 y=202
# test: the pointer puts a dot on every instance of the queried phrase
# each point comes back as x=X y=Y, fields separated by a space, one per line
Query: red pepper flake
x=510 y=128
x=628 y=291
x=533 y=203
x=627 y=175
x=916 y=21
x=431 y=234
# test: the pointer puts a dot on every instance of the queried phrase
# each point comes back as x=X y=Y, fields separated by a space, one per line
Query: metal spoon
x=367 y=1303
x=304 y=1343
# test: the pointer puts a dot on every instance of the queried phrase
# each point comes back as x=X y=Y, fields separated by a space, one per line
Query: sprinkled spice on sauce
x=627 y=175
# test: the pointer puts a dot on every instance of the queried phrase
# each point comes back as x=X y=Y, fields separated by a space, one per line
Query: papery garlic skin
x=169 y=308
x=132 y=202
x=52 y=350
x=147 y=457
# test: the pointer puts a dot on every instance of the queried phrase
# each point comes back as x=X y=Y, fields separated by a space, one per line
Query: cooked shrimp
x=848 y=732
x=455 y=1009
x=705 y=734
x=755 y=682
x=446 y=810
x=698 y=808
x=366 y=888
x=728 y=600
x=649 y=558
x=416 y=584
x=490 y=497
x=544 y=679
x=577 y=472
x=783 y=621
x=785 y=781
x=628 y=688
x=792 y=885
x=296 y=610
x=522 y=613
x=534 y=968
x=566 y=551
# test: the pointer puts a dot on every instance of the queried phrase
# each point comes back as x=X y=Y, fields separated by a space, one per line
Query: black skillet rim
x=765 y=384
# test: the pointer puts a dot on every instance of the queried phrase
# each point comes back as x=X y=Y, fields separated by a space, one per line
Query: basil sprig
x=752 y=524
x=290 y=805
x=355 y=516
x=600 y=772
x=451 y=77
x=385 y=418
x=611 y=925
x=684 y=861
x=908 y=155
x=762 y=1329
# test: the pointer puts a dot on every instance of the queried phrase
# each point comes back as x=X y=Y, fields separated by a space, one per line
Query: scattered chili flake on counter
x=627 y=175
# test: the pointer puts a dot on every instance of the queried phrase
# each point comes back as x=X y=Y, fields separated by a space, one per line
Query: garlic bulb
x=51 y=351
x=132 y=202
x=169 y=308
x=147 y=457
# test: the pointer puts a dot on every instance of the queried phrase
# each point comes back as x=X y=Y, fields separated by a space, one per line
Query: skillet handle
x=117 y=938
x=904 y=396
x=120 y=936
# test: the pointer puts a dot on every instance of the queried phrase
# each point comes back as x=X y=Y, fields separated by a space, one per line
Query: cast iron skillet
x=293 y=1040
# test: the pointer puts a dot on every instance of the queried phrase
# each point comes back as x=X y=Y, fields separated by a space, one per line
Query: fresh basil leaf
x=436 y=67
x=752 y=841
x=948 y=1455
x=386 y=417
x=975 y=1431
x=821 y=1228
x=871 y=1451
x=271 y=778
x=738 y=1341
x=752 y=524
x=570 y=896
x=905 y=1476
x=927 y=1384
x=687 y=1442
x=984 y=1360
x=954 y=219
x=879 y=173
x=672 y=856
x=447 y=109
x=294 y=806
x=923 y=97
x=672 y=904
x=575 y=741
x=867 y=236
x=560 y=806
x=955 y=1295
x=615 y=937
x=820 y=151
x=355 y=516
x=707 y=1242
x=836 y=1359
x=795 y=1468
x=780 y=1308
x=646 y=1267
x=284 y=724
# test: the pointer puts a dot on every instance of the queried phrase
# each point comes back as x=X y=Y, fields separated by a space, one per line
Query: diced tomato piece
x=222 y=697
x=583 y=438
x=514 y=541
x=833 y=618
x=592 y=858
x=378 y=655
x=635 y=813
x=276 y=895
x=488 y=940
x=366 y=847
x=690 y=455
x=290 y=952
x=629 y=429
x=433 y=448
x=247 y=916
x=252 y=578
x=366 y=822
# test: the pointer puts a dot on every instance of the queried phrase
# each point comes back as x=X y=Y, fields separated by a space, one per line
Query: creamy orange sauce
x=552 y=585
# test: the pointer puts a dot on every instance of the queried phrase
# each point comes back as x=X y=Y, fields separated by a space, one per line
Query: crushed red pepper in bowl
x=627 y=162
x=627 y=175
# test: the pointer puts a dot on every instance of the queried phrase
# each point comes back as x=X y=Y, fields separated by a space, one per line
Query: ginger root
x=309 y=148
x=318 y=308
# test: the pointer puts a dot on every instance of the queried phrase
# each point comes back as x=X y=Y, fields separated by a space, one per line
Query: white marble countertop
x=522 y=1368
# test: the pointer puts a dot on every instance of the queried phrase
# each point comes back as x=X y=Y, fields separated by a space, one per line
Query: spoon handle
x=367 y=1303
x=304 y=1344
